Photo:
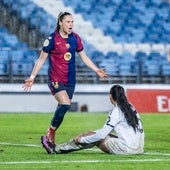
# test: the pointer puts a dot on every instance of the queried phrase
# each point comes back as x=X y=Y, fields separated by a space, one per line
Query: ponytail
x=118 y=95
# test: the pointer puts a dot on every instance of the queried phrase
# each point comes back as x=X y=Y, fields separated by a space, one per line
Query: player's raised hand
x=28 y=84
x=102 y=73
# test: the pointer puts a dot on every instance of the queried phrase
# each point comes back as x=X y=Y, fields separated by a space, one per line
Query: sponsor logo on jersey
x=67 y=56
x=67 y=45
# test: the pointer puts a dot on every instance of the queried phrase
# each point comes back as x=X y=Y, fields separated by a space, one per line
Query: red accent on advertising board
x=150 y=101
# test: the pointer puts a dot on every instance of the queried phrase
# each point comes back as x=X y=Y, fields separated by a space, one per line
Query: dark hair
x=61 y=16
x=118 y=95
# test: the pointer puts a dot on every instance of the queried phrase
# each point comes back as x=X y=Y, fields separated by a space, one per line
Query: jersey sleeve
x=79 y=43
x=97 y=136
x=113 y=119
x=48 y=44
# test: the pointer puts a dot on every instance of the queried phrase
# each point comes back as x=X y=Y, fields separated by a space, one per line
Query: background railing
x=17 y=64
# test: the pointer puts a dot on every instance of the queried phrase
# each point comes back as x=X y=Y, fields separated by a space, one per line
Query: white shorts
x=116 y=146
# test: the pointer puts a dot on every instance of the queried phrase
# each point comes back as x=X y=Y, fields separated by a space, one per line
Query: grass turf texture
x=18 y=129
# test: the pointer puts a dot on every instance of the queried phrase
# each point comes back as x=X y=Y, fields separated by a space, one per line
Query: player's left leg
x=63 y=95
x=71 y=146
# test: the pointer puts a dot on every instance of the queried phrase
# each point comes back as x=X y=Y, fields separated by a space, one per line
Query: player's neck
x=63 y=34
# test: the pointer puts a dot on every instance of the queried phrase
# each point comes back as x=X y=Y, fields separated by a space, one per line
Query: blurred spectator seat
x=125 y=70
x=110 y=65
x=166 y=69
x=4 y=56
x=17 y=55
x=2 y=69
x=151 y=68
x=26 y=68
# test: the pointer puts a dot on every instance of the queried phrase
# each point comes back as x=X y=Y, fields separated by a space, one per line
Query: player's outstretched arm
x=39 y=63
x=100 y=72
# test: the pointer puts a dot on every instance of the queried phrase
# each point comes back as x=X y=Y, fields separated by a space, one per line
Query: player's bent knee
x=102 y=145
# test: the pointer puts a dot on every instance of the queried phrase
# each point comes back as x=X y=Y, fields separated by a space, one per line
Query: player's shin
x=71 y=146
x=59 y=115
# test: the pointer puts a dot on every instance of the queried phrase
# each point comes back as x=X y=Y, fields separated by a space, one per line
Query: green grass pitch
x=20 y=146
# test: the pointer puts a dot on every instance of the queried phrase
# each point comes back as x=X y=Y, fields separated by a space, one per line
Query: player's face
x=66 y=25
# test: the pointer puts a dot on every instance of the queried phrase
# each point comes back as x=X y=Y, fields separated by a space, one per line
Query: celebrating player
x=60 y=48
x=121 y=134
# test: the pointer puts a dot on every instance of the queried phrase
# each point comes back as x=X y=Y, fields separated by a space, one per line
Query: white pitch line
x=91 y=149
x=156 y=154
x=12 y=144
x=83 y=161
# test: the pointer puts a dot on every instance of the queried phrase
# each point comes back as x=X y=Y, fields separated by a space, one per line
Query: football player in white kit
x=122 y=133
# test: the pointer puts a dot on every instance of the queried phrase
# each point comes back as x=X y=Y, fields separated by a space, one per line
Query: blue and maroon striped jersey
x=62 y=57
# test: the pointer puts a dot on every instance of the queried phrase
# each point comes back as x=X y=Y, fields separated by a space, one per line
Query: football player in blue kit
x=60 y=48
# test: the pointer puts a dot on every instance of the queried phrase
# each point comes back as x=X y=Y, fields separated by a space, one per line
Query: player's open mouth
x=69 y=30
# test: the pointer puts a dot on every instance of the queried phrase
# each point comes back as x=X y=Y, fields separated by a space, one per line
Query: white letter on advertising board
x=162 y=103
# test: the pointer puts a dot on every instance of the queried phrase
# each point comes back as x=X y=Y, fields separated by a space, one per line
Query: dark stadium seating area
x=136 y=22
x=15 y=57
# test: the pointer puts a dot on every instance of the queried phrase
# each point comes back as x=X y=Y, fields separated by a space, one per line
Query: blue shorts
x=56 y=87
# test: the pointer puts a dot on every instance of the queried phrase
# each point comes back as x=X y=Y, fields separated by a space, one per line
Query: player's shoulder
x=52 y=35
x=75 y=34
x=49 y=43
x=116 y=111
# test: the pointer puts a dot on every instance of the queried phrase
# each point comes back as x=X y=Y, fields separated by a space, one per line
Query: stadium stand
x=128 y=38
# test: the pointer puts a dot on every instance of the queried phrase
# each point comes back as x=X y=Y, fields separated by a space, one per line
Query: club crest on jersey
x=46 y=43
x=55 y=84
x=67 y=45
x=67 y=56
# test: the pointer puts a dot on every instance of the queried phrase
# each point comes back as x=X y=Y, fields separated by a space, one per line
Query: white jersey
x=128 y=140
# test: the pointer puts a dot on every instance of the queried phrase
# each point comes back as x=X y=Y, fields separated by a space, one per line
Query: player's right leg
x=71 y=146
